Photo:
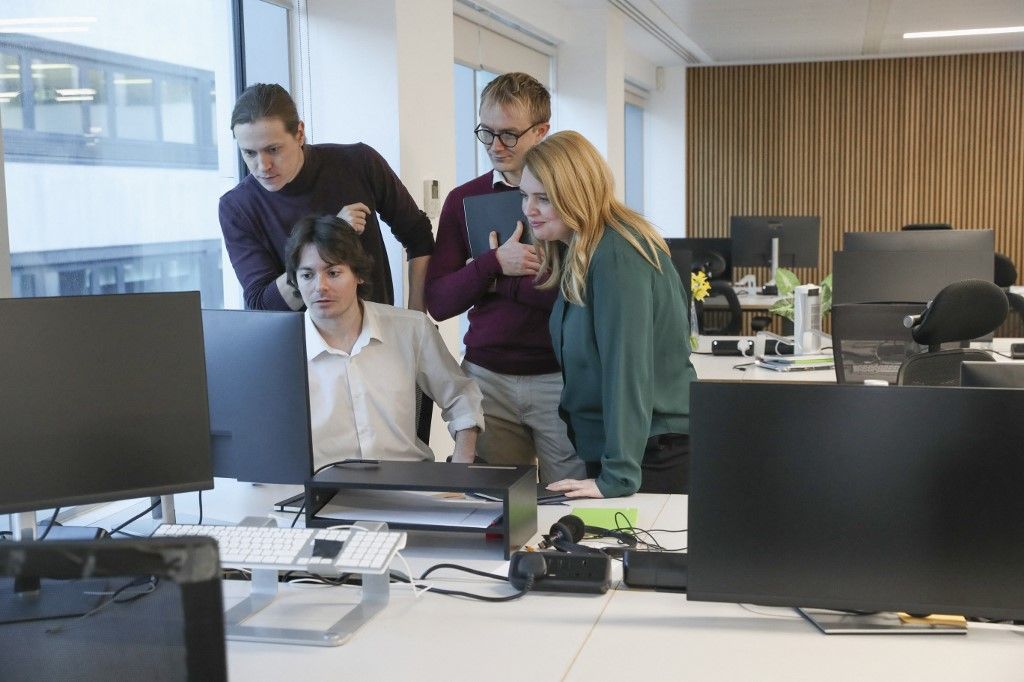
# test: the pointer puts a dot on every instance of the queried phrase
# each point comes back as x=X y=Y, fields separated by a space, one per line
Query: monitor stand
x=265 y=589
x=882 y=623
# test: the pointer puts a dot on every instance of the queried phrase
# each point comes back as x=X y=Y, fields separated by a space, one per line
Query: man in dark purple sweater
x=289 y=180
x=508 y=346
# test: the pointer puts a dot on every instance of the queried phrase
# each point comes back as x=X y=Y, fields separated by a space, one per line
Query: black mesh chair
x=960 y=312
x=733 y=316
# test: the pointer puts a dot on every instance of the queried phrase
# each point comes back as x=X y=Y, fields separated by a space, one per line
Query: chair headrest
x=960 y=312
x=1006 y=271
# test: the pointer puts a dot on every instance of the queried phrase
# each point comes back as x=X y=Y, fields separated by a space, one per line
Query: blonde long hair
x=579 y=185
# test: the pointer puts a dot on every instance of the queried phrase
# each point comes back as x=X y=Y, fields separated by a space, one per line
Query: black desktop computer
x=258 y=395
x=103 y=398
x=858 y=498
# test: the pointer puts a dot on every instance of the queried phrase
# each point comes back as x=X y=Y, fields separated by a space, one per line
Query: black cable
x=135 y=518
x=49 y=525
x=465 y=569
x=200 y=508
x=640 y=533
x=469 y=595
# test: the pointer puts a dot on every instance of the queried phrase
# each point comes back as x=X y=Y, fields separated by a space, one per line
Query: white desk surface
x=747 y=301
x=622 y=635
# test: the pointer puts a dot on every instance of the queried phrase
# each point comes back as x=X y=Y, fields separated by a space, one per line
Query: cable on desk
x=200 y=508
x=623 y=525
x=50 y=523
x=458 y=593
x=134 y=519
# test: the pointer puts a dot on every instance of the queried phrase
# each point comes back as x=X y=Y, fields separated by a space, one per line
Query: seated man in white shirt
x=365 y=359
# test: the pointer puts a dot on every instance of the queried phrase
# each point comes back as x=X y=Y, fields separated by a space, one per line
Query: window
x=96 y=106
x=471 y=157
x=115 y=158
x=634 y=148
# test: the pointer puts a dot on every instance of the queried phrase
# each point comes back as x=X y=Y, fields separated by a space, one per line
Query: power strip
x=561 y=572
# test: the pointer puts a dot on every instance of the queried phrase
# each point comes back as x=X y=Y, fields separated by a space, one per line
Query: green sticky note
x=607 y=517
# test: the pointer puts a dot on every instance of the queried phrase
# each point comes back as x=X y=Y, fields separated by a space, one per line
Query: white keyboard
x=293 y=549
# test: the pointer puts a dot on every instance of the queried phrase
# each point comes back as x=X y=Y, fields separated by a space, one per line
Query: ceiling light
x=48 y=67
x=965 y=32
x=45 y=29
x=76 y=98
x=72 y=92
x=47 y=20
x=133 y=81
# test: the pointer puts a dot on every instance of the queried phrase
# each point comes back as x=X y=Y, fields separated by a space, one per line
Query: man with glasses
x=508 y=347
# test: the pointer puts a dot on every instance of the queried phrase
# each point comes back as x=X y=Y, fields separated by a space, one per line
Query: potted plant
x=787 y=281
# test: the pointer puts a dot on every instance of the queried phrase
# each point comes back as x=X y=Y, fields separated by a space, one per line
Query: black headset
x=567 y=531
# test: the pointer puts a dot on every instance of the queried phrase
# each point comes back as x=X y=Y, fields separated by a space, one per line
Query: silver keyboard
x=298 y=549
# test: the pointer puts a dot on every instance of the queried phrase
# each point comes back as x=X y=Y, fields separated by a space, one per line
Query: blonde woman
x=619 y=325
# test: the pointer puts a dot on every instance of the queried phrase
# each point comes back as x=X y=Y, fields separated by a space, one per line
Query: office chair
x=1006 y=276
x=424 y=412
x=732 y=325
x=960 y=312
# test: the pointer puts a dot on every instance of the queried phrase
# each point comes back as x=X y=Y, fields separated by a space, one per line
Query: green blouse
x=625 y=360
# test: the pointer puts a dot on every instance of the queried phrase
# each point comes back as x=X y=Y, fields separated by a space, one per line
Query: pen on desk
x=491 y=466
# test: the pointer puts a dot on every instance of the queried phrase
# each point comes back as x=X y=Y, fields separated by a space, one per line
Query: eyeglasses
x=507 y=137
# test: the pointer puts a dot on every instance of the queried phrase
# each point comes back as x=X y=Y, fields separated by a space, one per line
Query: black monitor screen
x=103 y=398
x=141 y=609
x=861 y=498
x=903 y=276
x=798 y=240
x=992 y=374
x=921 y=240
x=711 y=254
x=259 y=395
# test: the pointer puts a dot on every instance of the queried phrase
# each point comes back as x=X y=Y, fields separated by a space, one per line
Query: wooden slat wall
x=867 y=145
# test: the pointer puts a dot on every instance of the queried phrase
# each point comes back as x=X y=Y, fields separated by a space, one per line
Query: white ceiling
x=745 y=31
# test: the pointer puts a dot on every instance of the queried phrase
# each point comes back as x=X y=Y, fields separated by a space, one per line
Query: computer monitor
x=903 y=276
x=778 y=241
x=154 y=604
x=921 y=240
x=870 y=341
x=863 y=498
x=259 y=395
x=992 y=374
x=102 y=398
x=711 y=254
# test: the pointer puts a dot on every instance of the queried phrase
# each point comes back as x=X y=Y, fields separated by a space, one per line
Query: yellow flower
x=700 y=287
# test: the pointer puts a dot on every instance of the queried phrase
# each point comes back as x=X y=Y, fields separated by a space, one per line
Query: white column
x=591 y=84
x=665 y=152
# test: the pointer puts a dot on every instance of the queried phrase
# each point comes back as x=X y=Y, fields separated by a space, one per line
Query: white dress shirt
x=362 y=405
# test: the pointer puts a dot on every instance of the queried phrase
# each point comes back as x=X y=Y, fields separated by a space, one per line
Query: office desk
x=622 y=635
x=741 y=368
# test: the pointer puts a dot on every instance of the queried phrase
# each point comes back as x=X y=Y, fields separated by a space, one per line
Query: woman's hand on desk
x=572 y=487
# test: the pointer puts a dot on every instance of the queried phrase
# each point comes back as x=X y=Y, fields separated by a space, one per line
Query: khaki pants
x=521 y=423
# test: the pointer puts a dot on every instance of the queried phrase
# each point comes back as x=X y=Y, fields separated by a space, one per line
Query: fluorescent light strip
x=72 y=92
x=10 y=95
x=76 y=98
x=45 y=29
x=965 y=32
x=47 y=20
x=49 y=67
x=133 y=81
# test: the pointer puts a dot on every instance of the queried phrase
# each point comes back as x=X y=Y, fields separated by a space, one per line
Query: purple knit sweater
x=256 y=223
x=508 y=328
